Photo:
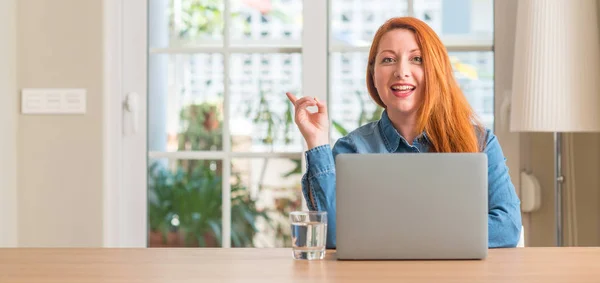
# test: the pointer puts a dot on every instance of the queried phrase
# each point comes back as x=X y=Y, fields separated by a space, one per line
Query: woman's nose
x=402 y=70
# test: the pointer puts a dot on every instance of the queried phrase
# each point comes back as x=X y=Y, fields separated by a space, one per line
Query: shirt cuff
x=319 y=160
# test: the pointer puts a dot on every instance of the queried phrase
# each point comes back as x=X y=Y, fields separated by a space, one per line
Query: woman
x=409 y=74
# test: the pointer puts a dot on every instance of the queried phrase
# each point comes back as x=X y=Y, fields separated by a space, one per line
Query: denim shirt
x=504 y=216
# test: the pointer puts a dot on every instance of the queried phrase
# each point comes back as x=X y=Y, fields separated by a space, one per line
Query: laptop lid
x=412 y=206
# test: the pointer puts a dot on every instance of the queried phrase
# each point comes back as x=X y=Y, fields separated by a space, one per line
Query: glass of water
x=309 y=232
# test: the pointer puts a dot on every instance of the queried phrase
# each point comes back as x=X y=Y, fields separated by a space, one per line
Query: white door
x=211 y=117
x=125 y=129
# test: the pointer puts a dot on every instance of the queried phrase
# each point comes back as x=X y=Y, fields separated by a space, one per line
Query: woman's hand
x=313 y=126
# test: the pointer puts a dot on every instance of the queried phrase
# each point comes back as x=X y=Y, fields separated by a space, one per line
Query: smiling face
x=398 y=72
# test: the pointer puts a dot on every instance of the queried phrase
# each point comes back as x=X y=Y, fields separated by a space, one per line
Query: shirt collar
x=392 y=138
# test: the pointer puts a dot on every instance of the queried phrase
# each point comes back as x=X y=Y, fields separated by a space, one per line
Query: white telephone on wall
x=531 y=193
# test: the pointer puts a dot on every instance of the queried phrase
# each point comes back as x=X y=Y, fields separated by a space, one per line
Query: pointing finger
x=291 y=97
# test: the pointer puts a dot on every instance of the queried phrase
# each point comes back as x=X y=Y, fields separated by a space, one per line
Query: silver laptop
x=412 y=206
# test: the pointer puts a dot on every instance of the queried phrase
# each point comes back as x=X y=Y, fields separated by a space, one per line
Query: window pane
x=192 y=22
x=474 y=72
x=261 y=116
x=184 y=203
x=350 y=105
x=459 y=22
x=263 y=193
x=185 y=108
x=274 y=22
x=354 y=22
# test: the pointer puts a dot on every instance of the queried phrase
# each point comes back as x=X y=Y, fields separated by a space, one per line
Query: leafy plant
x=276 y=123
x=187 y=200
x=204 y=18
x=197 y=18
x=201 y=127
x=190 y=203
x=264 y=114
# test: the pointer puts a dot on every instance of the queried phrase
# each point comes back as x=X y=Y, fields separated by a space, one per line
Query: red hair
x=445 y=115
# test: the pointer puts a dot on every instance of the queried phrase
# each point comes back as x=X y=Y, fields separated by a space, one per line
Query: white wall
x=60 y=172
x=8 y=125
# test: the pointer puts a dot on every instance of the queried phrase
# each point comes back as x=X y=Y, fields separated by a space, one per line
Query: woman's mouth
x=402 y=90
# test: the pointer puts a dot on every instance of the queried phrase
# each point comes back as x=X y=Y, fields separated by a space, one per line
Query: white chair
x=521 y=243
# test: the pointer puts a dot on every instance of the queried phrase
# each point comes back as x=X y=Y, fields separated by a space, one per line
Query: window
x=224 y=166
x=225 y=156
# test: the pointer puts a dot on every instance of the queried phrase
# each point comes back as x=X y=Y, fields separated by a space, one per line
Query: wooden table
x=277 y=265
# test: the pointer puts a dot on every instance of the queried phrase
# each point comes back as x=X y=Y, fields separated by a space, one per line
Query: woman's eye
x=387 y=60
x=418 y=59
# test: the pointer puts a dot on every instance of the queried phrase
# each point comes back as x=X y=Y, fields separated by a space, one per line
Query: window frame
x=315 y=50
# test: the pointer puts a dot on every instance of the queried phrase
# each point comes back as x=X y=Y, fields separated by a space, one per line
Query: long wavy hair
x=445 y=115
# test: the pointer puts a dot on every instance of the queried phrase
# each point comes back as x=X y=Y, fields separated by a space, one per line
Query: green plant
x=198 y=17
x=201 y=127
x=187 y=200
x=264 y=114
x=205 y=18
x=244 y=208
x=276 y=122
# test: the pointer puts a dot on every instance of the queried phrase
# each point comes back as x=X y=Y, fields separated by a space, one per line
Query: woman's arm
x=504 y=214
x=318 y=184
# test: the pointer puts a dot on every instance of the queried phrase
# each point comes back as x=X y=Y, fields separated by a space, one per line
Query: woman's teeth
x=403 y=87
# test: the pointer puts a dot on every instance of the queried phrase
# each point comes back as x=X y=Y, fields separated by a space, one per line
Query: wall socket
x=53 y=101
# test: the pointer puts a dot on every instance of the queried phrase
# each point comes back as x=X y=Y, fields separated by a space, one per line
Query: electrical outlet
x=53 y=101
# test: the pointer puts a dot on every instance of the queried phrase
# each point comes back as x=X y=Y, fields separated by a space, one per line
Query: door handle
x=131 y=105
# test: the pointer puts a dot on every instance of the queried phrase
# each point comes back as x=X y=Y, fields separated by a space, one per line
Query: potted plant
x=185 y=203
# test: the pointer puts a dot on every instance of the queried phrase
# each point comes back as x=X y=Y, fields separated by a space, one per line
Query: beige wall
x=8 y=125
x=60 y=157
x=587 y=178
x=587 y=167
x=539 y=151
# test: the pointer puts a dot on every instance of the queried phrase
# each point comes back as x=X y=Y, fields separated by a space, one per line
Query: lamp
x=556 y=75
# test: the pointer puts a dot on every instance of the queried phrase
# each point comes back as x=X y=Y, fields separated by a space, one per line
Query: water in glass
x=308 y=240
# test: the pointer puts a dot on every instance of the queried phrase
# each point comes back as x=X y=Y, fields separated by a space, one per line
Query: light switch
x=53 y=101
